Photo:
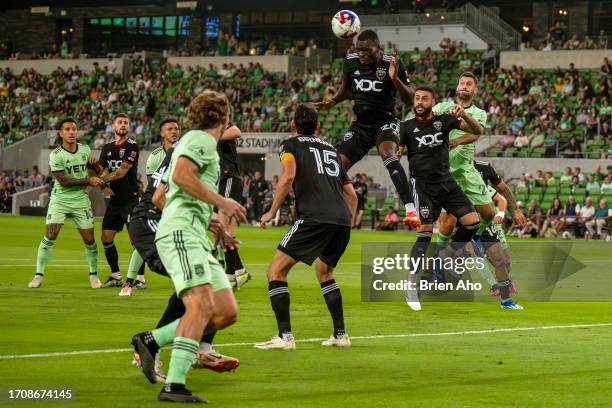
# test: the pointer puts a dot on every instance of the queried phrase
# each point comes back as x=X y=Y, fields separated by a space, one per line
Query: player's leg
x=237 y=274
x=337 y=240
x=458 y=204
x=91 y=254
x=446 y=226
x=497 y=257
x=110 y=226
x=55 y=220
x=356 y=144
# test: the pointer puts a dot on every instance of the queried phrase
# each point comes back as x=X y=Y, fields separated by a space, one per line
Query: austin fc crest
x=424 y=212
x=438 y=125
x=381 y=73
x=121 y=153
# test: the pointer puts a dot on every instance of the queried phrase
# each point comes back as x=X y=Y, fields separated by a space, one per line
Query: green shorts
x=189 y=263
x=80 y=213
x=472 y=184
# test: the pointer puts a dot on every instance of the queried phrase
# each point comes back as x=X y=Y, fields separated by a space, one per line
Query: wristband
x=500 y=214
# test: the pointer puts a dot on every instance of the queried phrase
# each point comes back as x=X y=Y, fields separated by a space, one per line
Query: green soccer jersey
x=461 y=156
x=155 y=158
x=74 y=165
x=182 y=211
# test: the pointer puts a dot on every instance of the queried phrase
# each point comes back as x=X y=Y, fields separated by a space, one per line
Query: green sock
x=442 y=240
x=165 y=334
x=486 y=273
x=91 y=253
x=220 y=255
x=44 y=253
x=483 y=226
x=136 y=262
x=183 y=353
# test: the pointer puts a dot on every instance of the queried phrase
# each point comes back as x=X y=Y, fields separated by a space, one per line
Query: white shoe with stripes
x=342 y=341
x=277 y=343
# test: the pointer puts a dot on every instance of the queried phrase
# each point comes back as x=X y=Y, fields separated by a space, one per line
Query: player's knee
x=89 y=241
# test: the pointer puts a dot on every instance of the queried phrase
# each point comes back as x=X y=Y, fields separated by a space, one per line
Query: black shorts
x=117 y=215
x=360 y=205
x=307 y=240
x=142 y=233
x=431 y=198
x=360 y=138
x=489 y=237
x=231 y=187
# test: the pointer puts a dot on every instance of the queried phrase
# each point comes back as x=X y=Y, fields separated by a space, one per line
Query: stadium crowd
x=15 y=181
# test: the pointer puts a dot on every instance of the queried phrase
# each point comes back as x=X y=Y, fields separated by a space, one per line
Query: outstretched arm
x=66 y=181
x=340 y=96
x=405 y=91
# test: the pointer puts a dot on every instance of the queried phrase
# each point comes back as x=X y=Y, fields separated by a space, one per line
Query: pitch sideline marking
x=314 y=340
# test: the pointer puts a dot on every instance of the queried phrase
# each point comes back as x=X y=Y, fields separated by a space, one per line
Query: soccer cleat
x=277 y=343
x=159 y=371
x=241 y=278
x=94 y=281
x=215 y=361
x=145 y=357
x=36 y=281
x=138 y=284
x=342 y=341
x=412 y=219
x=110 y=282
x=126 y=290
x=412 y=300
x=179 y=395
x=509 y=304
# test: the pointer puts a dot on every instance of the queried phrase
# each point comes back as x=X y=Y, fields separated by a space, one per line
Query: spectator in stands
x=19 y=184
x=602 y=40
x=99 y=142
x=550 y=179
x=587 y=214
x=36 y=178
x=257 y=193
x=551 y=223
x=595 y=226
x=521 y=140
x=389 y=223
x=578 y=173
x=606 y=184
x=361 y=188
x=534 y=216
x=522 y=183
x=572 y=149
x=592 y=183
x=566 y=177
x=539 y=179
x=570 y=214
x=515 y=228
x=6 y=197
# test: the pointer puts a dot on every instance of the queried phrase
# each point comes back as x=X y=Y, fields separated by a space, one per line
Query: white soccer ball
x=346 y=24
x=566 y=235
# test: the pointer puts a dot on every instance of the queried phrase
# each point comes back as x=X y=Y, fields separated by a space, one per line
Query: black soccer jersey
x=318 y=181
x=111 y=157
x=146 y=208
x=372 y=89
x=229 y=157
x=426 y=143
x=487 y=172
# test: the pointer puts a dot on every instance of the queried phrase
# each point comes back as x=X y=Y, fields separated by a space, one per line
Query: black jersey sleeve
x=488 y=173
x=403 y=141
x=452 y=122
x=344 y=178
x=102 y=160
x=286 y=149
x=131 y=153
x=345 y=69
x=401 y=72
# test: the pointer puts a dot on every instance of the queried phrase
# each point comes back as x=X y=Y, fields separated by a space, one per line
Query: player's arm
x=466 y=138
x=468 y=123
x=185 y=176
x=159 y=196
x=503 y=189
x=118 y=174
x=231 y=133
x=285 y=181
x=350 y=196
x=66 y=181
x=397 y=73
x=502 y=204
x=341 y=95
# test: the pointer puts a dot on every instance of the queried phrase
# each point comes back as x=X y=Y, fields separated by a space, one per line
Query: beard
x=121 y=132
x=465 y=96
x=424 y=114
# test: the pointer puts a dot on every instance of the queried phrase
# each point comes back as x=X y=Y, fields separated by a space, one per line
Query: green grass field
x=546 y=366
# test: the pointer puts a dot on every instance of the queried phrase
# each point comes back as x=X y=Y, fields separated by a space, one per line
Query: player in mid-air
x=230 y=186
x=69 y=164
x=118 y=166
x=169 y=132
x=325 y=201
x=186 y=251
x=373 y=79
x=425 y=138
x=461 y=162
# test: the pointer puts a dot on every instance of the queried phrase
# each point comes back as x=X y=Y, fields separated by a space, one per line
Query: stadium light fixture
x=526 y=28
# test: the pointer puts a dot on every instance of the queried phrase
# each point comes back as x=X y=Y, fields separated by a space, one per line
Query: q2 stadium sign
x=260 y=143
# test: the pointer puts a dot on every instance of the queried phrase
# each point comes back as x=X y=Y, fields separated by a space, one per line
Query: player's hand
x=222 y=236
x=324 y=105
x=452 y=144
x=400 y=152
x=232 y=209
x=96 y=181
x=107 y=191
x=499 y=218
x=265 y=219
x=457 y=111
x=393 y=69
x=520 y=219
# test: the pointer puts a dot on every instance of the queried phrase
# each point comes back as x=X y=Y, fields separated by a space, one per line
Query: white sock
x=205 y=347
x=140 y=278
x=116 y=275
x=410 y=207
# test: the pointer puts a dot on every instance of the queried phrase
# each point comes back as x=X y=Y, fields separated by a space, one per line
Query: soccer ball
x=346 y=24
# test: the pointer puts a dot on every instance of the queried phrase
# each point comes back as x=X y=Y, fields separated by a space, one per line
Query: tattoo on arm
x=119 y=173
x=66 y=181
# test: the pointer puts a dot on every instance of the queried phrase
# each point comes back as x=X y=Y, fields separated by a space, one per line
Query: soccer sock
x=206 y=343
x=230 y=262
x=504 y=289
x=483 y=226
x=112 y=257
x=279 y=297
x=165 y=334
x=44 y=253
x=400 y=181
x=183 y=353
x=239 y=264
x=136 y=262
x=463 y=235
x=333 y=300
x=419 y=249
x=91 y=253
x=486 y=273
x=174 y=310
x=442 y=240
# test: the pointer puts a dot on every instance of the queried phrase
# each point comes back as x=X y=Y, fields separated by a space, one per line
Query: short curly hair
x=207 y=110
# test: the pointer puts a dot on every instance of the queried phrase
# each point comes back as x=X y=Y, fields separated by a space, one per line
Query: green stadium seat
x=565 y=190
x=580 y=192
x=594 y=192
x=539 y=190
x=552 y=190
x=563 y=198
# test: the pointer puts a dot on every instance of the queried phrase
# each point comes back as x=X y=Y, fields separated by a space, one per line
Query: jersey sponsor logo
x=114 y=164
x=366 y=85
x=75 y=168
x=430 y=140
x=394 y=127
x=438 y=125
x=381 y=73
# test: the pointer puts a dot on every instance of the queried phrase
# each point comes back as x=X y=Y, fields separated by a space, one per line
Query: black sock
x=504 y=289
x=141 y=270
x=150 y=342
x=174 y=310
x=399 y=179
x=129 y=280
x=230 y=261
x=208 y=338
x=239 y=264
x=279 y=297
x=463 y=235
x=333 y=300
x=420 y=248
x=112 y=257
